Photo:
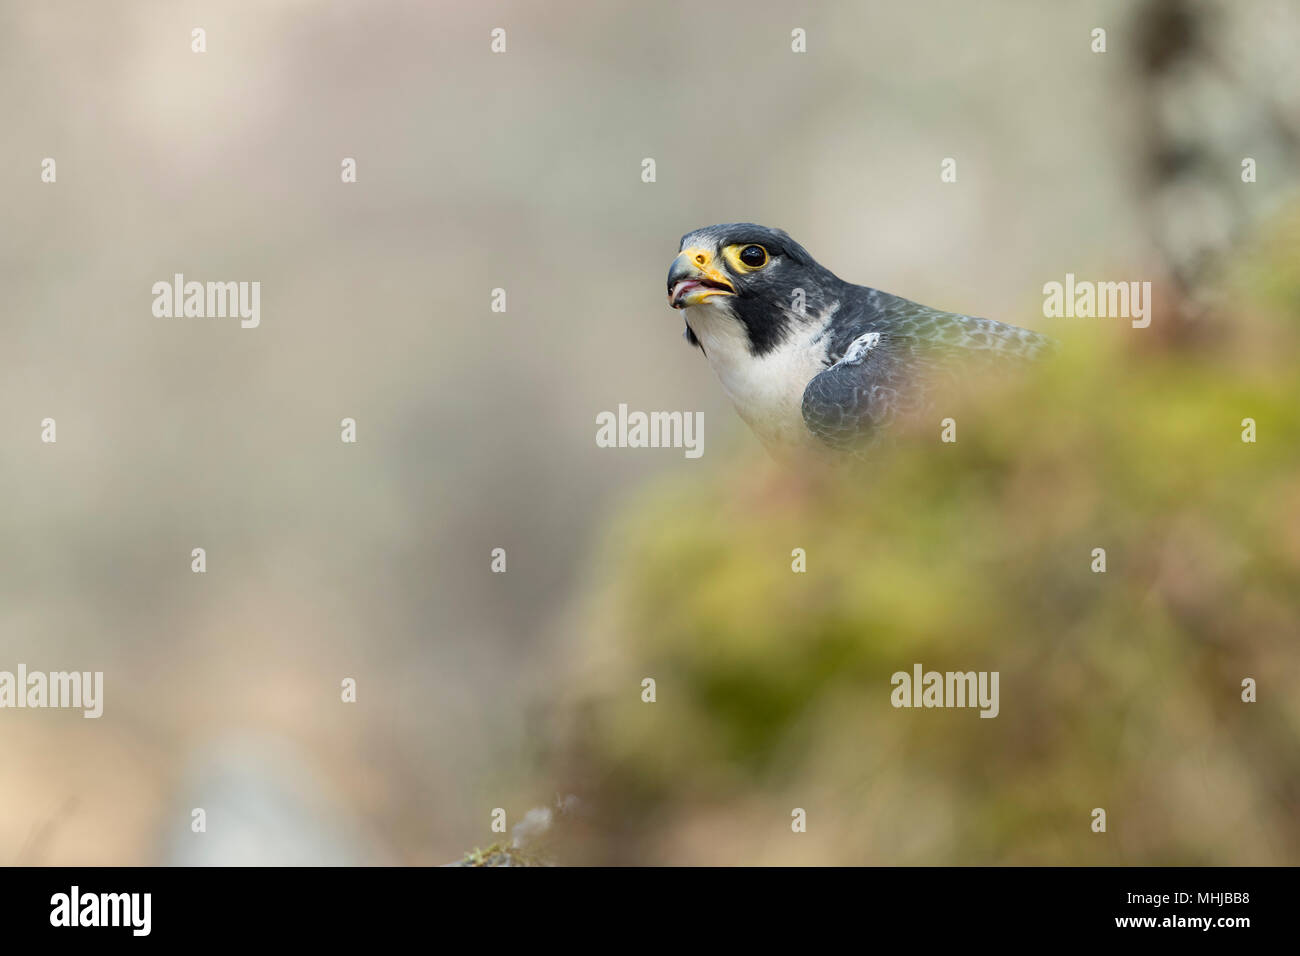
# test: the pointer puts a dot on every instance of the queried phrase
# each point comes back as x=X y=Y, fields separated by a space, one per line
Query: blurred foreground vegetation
x=1119 y=690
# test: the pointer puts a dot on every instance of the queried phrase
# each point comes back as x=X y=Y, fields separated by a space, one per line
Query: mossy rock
x=1120 y=690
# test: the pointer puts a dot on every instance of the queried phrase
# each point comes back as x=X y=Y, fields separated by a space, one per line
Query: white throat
x=767 y=390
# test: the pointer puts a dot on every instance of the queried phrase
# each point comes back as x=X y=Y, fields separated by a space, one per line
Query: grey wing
x=849 y=405
x=881 y=375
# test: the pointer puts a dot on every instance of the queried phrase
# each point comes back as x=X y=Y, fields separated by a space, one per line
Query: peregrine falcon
x=811 y=360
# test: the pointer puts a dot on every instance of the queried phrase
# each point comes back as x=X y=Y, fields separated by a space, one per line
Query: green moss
x=500 y=854
x=1119 y=690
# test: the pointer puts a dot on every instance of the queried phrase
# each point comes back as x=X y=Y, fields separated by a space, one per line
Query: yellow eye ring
x=747 y=257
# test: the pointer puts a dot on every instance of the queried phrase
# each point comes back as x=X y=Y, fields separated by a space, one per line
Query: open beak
x=693 y=278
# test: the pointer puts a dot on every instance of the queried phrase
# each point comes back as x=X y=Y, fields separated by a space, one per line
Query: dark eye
x=753 y=256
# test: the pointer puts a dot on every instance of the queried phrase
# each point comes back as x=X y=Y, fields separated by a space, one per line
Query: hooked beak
x=693 y=278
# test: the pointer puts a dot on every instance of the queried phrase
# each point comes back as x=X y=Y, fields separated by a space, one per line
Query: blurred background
x=476 y=429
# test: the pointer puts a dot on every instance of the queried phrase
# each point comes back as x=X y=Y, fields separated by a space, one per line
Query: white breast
x=767 y=390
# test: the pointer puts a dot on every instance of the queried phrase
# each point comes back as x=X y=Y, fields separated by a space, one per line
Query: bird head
x=758 y=275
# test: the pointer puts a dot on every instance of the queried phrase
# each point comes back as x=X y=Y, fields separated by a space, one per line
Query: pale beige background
x=476 y=429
